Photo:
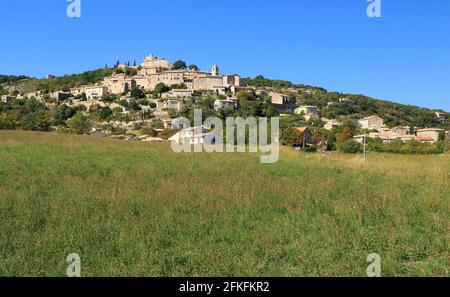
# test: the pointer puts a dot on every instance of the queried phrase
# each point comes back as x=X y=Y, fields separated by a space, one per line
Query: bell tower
x=215 y=70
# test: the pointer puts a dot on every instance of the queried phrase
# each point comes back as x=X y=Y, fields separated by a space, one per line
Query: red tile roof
x=425 y=138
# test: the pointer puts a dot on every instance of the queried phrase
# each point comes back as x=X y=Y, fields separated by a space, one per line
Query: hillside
x=140 y=209
x=23 y=84
x=394 y=114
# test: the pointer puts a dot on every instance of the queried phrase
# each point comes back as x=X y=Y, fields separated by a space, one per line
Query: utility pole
x=365 y=149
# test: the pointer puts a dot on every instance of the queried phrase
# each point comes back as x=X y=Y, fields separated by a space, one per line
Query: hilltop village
x=140 y=103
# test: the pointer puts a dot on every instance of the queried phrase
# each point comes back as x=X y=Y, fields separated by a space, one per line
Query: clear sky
x=404 y=56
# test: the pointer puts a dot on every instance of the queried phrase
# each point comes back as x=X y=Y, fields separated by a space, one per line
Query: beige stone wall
x=118 y=84
x=199 y=83
x=330 y=126
x=190 y=74
x=156 y=70
x=278 y=98
x=115 y=83
x=177 y=105
x=207 y=83
x=401 y=130
x=143 y=83
x=95 y=92
x=77 y=91
x=307 y=110
x=213 y=81
x=233 y=80
x=428 y=134
x=371 y=122
x=169 y=78
x=376 y=121
x=152 y=62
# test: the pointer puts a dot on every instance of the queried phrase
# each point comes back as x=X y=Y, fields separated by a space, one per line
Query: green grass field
x=136 y=209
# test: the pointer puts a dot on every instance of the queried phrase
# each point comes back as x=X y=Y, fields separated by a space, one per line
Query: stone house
x=119 y=83
x=95 y=92
x=307 y=110
x=60 y=95
x=441 y=117
x=429 y=134
x=194 y=135
x=223 y=104
x=330 y=124
x=77 y=91
x=280 y=99
x=162 y=106
x=7 y=98
x=372 y=123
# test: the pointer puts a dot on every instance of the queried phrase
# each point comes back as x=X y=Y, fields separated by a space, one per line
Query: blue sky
x=404 y=56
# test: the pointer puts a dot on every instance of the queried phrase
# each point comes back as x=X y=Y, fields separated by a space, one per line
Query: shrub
x=105 y=112
x=80 y=124
x=149 y=131
x=310 y=149
x=350 y=147
x=137 y=93
x=167 y=133
x=409 y=147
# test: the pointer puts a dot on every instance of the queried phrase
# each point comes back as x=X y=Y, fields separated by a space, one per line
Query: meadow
x=138 y=209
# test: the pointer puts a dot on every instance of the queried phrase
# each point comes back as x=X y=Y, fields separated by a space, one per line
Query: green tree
x=61 y=114
x=243 y=95
x=331 y=140
x=43 y=120
x=80 y=124
x=161 y=88
x=133 y=105
x=346 y=131
x=137 y=93
x=110 y=98
x=130 y=71
x=179 y=65
x=193 y=67
x=118 y=70
x=37 y=121
x=270 y=112
x=350 y=146
x=105 y=113
x=181 y=86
